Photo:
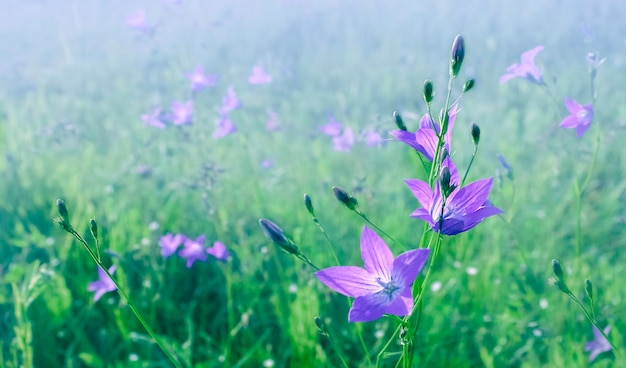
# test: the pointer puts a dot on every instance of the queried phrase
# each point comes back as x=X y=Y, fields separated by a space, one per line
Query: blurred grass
x=75 y=81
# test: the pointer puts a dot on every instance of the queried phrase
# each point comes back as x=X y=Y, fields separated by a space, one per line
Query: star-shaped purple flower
x=383 y=286
x=332 y=128
x=230 y=102
x=224 y=127
x=103 y=285
x=193 y=250
x=599 y=344
x=259 y=76
x=154 y=119
x=182 y=112
x=527 y=69
x=200 y=80
x=219 y=251
x=169 y=243
x=465 y=207
x=580 y=117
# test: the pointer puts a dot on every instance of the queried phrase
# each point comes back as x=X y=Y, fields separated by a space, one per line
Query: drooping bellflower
x=527 y=69
x=383 y=285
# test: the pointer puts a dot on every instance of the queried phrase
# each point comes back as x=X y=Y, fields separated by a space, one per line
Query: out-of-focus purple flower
x=224 y=127
x=153 y=119
x=599 y=344
x=506 y=166
x=267 y=164
x=103 y=285
x=372 y=138
x=137 y=20
x=465 y=207
x=259 y=76
x=169 y=243
x=193 y=250
x=527 y=69
x=383 y=286
x=230 y=102
x=594 y=61
x=332 y=128
x=200 y=80
x=219 y=251
x=425 y=139
x=182 y=112
x=345 y=141
x=580 y=117
x=272 y=121
x=143 y=171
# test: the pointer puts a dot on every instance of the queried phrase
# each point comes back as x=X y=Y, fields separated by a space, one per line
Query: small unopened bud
x=65 y=216
x=402 y=335
x=309 y=204
x=428 y=91
x=444 y=154
x=444 y=182
x=398 y=120
x=93 y=228
x=457 y=56
x=475 y=131
x=277 y=235
x=589 y=289
x=345 y=198
x=319 y=324
x=468 y=85
x=559 y=280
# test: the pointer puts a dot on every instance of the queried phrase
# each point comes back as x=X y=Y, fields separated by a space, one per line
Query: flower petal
x=402 y=305
x=472 y=196
x=405 y=137
x=408 y=265
x=572 y=106
x=427 y=140
x=349 y=280
x=377 y=256
x=569 y=122
x=421 y=191
x=368 y=307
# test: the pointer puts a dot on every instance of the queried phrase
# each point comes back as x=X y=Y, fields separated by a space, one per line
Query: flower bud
x=559 y=276
x=399 y=122
x=277 y=235
x=444 y=182
x=475 y=131
x=309 y=204
x=65 y=216
x=345 y=198
x=319 y=324
x=457 y=56
x=93 y=228
x=589 y=289
x=468 y=85
x=428 y=91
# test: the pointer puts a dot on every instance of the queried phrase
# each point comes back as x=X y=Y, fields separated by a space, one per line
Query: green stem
x=124 y=297
x=592 y=321
x=364 y=217
x=470 y=165
x=330 y=244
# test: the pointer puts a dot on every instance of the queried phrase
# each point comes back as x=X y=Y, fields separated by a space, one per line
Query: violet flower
x=138 y=21
x=103 y=285
x=332 y=128
x=219 y=251
x=599 y=344
x=182 y=112
x=224 y=126
x=153 y=119
x=580 y=117
x=259 y=76
x=372 y=138
x=200 y=80
x=345 y=141
x=229 y=102
x=383 y=286
x=527 y=69
x=193 y=250
x=465 y=207
x=169 y=243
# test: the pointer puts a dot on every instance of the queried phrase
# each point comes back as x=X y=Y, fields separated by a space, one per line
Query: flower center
x=582 y=114
x=389 y=288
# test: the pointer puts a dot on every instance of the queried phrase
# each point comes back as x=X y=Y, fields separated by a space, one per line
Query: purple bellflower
x=527 y=69
x=224 y=126
x=230 y=102
x=259 y=76
x=332 y=128
x=103 y=285
x=425 y=139
x=182 y=112
x=200 y=80
x=169 y=243
x=465 y=207
x=580 y=117
x=372 y=138
x=154 y=119
x=599 y=344
x=193 y=250
x=219 y=251
x=383 y=286
x=345 y=141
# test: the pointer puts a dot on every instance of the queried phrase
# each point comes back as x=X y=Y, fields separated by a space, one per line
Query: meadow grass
x=74 y=82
